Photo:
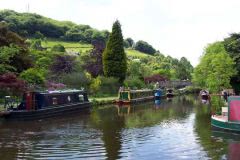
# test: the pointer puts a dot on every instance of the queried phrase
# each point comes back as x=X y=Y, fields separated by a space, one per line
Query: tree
x=126 y=44
x=93 y=61
x=215 y=69
x=36 y=45
x=138 y=69
x=58 y=48
x=39 y=35
x=6 y=53
x=77 y=80
x=144 y=47
x=232 y=46
x=11 y=84
x=33 y=77
x=14 y=50
x=114 y=57
x=184 y=69
x=63 y=64
x=130 y=42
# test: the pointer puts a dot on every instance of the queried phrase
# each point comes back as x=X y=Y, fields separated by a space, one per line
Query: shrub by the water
x=108 y=86
x=134 y=83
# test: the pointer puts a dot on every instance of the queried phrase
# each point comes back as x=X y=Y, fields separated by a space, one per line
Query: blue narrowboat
x=38 y=105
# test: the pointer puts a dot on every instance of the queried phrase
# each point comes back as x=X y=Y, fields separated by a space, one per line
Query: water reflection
x=232 y=142
x=176 y=129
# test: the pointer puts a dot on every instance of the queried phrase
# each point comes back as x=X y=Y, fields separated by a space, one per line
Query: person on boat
x=121 y=88
x=225 y=95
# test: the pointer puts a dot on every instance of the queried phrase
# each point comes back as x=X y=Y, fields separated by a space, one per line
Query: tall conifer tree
x=114 y=57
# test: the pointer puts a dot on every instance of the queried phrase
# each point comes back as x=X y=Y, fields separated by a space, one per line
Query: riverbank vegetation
x=40 y=53
x=219 y=69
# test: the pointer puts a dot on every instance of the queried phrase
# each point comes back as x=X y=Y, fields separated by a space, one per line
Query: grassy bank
x=102 y=100
x=1 y=107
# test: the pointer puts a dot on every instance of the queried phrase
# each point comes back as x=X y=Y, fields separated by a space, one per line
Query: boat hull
x=46 y=113
x=225 y=125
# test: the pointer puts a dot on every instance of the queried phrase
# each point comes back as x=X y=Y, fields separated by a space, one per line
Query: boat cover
x=234 y=108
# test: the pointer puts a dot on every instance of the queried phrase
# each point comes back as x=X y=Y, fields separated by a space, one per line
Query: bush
x=58 y=48
x=95 y=85
x=10 y=84
x=134 y=83
x=108 y=86
x=77 y=80
x=192 y=89
x=144 y=47
x=33 y=76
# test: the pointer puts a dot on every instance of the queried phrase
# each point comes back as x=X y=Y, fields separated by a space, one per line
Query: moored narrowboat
x=204 y=95
x=229 y=120
x=134 y=96
x=37 y=105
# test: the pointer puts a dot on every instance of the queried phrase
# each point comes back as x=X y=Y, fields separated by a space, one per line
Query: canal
x=176 y=129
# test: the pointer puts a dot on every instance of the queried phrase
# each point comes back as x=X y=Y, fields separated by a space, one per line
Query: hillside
x=69 y=46
x=83 y=47
x=75 y=37
x=34 y=25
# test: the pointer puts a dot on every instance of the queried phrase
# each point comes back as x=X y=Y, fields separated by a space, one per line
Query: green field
x=83 y=47
x=135 y=54
x=69 y=46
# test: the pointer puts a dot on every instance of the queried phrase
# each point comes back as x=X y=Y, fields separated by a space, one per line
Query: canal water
x=174 y=129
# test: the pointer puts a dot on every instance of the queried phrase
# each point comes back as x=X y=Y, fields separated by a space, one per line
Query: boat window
x=54 y=100
x=81 y=98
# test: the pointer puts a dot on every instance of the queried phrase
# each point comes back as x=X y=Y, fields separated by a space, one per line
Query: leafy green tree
x=33 y=76
x=130 y=41
x=183 y=69
x=126 y=44
x=232 y=46
x=144 y=47
x=138 y=69
x=114 y=57
x=36 y=45
x=77 y=80
x=15 y=53
x=6 y=53
x=58 y=48
x=215 y=69
x=39 y=35
x=134 y=83
x=43 y=62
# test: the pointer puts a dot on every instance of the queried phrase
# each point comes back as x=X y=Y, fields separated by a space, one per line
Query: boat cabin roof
x=136 y=91
x=60 y=92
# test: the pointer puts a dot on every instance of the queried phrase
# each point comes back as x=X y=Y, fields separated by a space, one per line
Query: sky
x=174 y=27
